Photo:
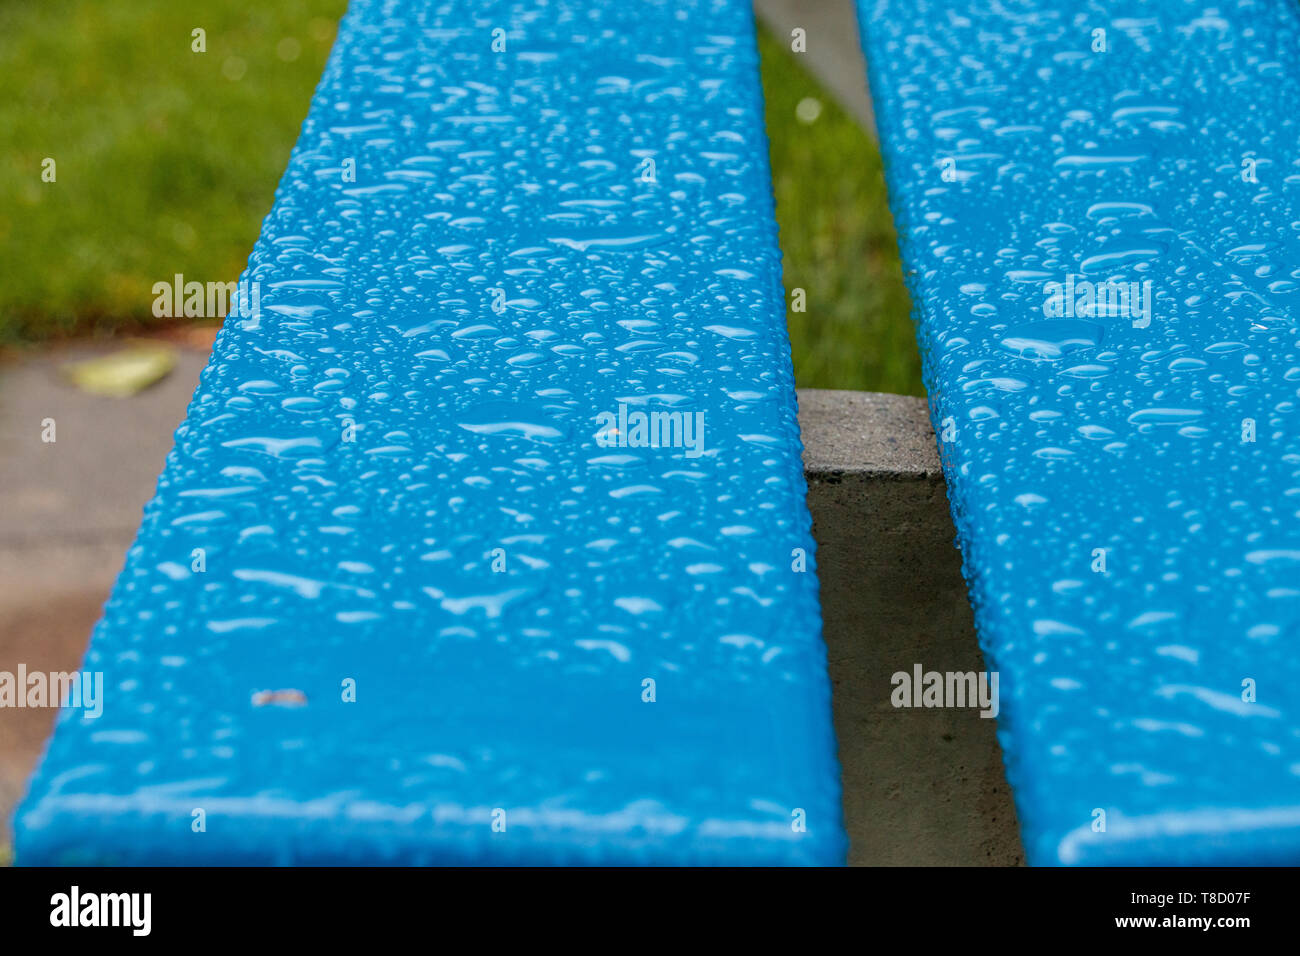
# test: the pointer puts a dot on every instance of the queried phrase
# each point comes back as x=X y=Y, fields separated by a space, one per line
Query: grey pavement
x=68 y=511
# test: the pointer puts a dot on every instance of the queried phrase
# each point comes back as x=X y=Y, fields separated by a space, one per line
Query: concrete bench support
x=921 y=787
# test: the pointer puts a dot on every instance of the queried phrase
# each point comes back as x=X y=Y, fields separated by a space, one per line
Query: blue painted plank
x=396 y=476
x=1162 y=150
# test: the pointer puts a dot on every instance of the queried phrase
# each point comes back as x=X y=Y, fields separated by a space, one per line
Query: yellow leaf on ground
x=122 y=373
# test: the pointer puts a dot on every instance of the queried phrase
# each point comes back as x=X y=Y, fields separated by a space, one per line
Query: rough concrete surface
x=921 y=786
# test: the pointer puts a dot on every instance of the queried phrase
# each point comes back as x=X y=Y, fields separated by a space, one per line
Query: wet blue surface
x=1169 y=157
x=395 y=478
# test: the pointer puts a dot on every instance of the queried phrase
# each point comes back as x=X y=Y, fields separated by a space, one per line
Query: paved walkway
x=68 y=512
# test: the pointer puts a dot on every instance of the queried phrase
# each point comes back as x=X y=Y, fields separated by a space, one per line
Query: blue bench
x=484 y=540
x=1098 y=209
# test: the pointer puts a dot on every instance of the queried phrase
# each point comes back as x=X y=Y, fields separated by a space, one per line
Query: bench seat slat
x=394 y=478
x=1126 y=486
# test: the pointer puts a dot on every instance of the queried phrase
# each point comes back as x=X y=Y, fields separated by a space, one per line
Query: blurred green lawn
x=837 y=240
x=167 y=161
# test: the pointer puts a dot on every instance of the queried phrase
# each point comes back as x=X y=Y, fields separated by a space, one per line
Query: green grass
x=167 y=160
x=837 y=239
